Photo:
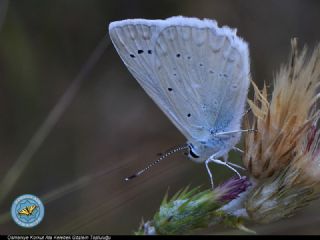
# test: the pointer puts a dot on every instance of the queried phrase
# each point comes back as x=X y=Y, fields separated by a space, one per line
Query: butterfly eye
x=191 y=152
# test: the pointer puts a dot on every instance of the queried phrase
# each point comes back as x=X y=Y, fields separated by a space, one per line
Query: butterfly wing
x=134 y=41
x=31 y=208
x=24 y=212
x=208 y=69
x=187 y=66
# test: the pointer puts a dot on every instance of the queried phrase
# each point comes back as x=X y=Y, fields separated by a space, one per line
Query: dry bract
x=282 y=157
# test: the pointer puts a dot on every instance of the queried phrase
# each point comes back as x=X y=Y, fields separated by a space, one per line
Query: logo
x=27 y=211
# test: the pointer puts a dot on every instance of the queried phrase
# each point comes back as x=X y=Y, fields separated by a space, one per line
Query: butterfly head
x=199 y=152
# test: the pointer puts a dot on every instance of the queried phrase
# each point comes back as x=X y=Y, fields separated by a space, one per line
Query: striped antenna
x=165 y=155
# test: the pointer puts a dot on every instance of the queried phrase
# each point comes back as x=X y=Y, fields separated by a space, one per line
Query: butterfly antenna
x=165 y=155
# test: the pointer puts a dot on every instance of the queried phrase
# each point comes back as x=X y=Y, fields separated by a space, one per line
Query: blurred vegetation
x=112 y=128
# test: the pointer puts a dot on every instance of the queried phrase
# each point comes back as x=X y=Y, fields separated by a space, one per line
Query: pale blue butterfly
x=196 y=72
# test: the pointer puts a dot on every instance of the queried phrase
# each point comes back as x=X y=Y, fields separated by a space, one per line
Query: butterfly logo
x=27 y=211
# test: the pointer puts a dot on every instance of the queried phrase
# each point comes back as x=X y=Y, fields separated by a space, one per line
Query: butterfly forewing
x=196 y=72
x=135 y=43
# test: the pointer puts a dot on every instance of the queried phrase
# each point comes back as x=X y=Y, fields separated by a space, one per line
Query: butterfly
x=198 y=75
x=28 y=210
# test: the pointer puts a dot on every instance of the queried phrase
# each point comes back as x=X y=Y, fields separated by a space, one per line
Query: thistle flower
x=232 y=188
x=282 y=157
x=190 y=210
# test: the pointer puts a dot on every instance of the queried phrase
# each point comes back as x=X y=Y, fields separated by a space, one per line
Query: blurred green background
x=112 y=128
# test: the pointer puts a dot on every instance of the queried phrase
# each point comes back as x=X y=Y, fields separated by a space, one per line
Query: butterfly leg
x=238 y=150
x=225 y=159
x=211 y=159
x=209 y=172
x=236 y=131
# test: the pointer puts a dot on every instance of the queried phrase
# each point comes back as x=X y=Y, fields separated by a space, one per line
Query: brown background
x=112 y=128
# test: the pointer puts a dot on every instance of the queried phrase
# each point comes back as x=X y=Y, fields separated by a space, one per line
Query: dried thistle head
x=282 y=157
x=286 y=119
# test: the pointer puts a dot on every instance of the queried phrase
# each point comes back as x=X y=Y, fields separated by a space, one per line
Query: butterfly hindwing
x=207 y=70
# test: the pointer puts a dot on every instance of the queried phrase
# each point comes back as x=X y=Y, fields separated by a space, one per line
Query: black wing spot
x=169 y=89
x=133 y=56
x=149 y=51
x=178 y=55
x=212 y=72
x=189 y=57
x=140 y=51
x=201 y=65
x=189 y=115
x=174 y=74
